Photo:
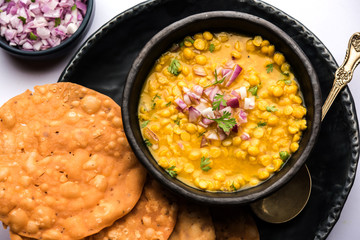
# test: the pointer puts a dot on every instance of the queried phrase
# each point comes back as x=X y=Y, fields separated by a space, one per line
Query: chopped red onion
x=227 y=109
x=214 y=91
x=180 y=103
x=187 y=99
x=186 y=90
x=222 y=134
x=208 y=90
x=230 y=64
x=233 y=102
x=235 y=128
x=212 y=135
x=151 y=134
x=194 y=114
x=249 y=103
x=201 y=107
x=198 y=90
x=245 y=136
x=226 y=71
x=42 y=24
x=200 y=71
x=242 y=92
x=234 y=75
x=181 y=145
x=207 y=121
x=242 y=116
x=208 y=113
x=204 y=142
x=235 y=94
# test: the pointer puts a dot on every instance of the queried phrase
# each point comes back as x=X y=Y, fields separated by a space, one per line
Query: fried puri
x=66 y=169
x=153 y=217
x=193 y=222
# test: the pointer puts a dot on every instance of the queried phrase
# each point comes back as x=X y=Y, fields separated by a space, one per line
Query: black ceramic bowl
x=59 y=50
x=217 y=22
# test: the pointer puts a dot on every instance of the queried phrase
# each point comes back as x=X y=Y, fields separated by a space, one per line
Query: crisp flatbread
x=66 y=168
x=193 y=222
x=153 y=217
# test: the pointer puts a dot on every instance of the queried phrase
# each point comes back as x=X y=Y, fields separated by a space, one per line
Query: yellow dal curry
x=221 y=111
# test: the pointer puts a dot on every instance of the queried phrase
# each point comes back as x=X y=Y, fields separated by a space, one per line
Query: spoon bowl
x=288 y=202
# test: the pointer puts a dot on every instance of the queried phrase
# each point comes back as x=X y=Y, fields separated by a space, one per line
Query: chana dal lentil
x=222 y=111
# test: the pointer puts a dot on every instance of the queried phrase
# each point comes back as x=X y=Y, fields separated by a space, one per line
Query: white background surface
x=332 y=21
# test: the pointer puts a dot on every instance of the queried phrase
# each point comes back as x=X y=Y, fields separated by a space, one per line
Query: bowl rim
x=219 y=198
x=67 y=42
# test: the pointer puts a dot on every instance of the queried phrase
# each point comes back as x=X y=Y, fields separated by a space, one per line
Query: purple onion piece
x=233 y=102
x=194 y=114
x=234 y=75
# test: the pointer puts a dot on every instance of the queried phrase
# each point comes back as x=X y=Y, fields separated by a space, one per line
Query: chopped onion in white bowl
x=36 y=25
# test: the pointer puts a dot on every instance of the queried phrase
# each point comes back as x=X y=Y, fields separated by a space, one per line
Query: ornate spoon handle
x=344 y=73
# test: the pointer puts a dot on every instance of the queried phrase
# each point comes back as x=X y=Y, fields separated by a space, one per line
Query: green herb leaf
x=32 y=36
x=233 y=186
x=73 y=7
x=168 y=104
x=211 y=47
x=271 y=109
x=189 y=39
x=225 y=122
x=147 y=142
x=204 y=164
x=144 y=123
x=218 y=100
x=33 y=1
x=155 y=97
x=202 y=134
x=22 y=19
x=254 y=90
x=286 y=81
x=216 y=80
x=153 y=105
x=174 y=67
x=171 y=171
x=57 y=22
x=7 y=0
x=177 y=121
x=269 y=68
x=181 y=44
x=284 y=155
x=261 y=124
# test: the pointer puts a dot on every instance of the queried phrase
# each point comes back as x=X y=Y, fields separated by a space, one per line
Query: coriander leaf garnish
x=224 y=122
x=269 y=68
x=171 y=171
x=202 y=134
x=32 y=36
x=253 y=90
x=286 y=81
x=284 y=155
x=153 y=105
x=216 y=80
x=177 y=121
x=73 y=7
x=57 y=21
x=211 y=47
x=22 y=19
x=147 y=142
x=261 y=124
x=144 y=123
x=204 y=164
x=218 y=100
x=168 y=104
x=271 y=109
x=233 y=186
x=189 y=39
x=156 y=96
x=174 y=67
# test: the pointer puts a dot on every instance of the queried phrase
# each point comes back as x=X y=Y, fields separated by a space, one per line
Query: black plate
x=103 y=61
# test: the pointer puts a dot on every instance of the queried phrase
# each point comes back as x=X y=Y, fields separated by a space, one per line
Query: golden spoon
x=290 y=200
